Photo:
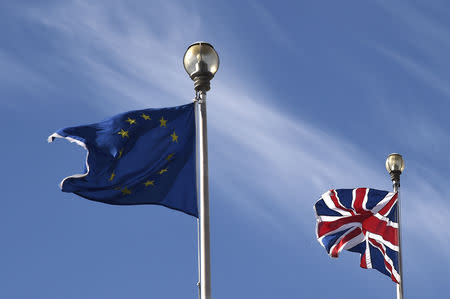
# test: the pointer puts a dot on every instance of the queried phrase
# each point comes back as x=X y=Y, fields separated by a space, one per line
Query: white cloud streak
x=18 y=76
x=264 y=160
x=428 y=39
x=422 y=72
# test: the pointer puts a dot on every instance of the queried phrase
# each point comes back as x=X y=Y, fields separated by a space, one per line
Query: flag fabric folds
x=138 y=157
x=361 y=220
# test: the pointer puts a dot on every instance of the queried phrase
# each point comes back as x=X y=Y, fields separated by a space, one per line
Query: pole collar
x=395 y=177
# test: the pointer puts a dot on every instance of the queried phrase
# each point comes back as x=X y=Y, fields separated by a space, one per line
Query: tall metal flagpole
x=395 y=166
x=203 y=196
x=201 y=62
x=396 y=185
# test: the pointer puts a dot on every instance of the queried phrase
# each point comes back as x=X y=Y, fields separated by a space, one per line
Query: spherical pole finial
x=395 y=166
x=201 y=62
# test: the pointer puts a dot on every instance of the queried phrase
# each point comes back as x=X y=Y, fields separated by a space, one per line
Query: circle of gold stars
x=125 y=134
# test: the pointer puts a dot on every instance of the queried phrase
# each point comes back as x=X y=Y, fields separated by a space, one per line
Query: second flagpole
x=395 y=166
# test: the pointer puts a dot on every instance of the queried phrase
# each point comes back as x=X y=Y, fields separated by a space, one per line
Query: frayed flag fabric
x=138 y=157
x=361 y=220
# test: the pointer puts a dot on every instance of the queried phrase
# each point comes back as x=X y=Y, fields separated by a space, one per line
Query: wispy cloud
x=134 y=56
x=271 y=25
x=266 y=161
x=428 y=41
x=16 y=75
x=423 y=72
x=423 y=28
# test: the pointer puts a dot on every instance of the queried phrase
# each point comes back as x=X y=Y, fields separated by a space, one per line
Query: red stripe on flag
x=360 y=193
x=337 y=203
x=385 y=210
x=380 y=227
x=386 y=264
x=326 y=227
x=363 y=261
x=349 y=236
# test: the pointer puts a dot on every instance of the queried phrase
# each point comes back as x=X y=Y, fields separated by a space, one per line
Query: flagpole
x=395 y=166
x=201 y=62
x=396 y=185
x=199 y=270
x=203 y=196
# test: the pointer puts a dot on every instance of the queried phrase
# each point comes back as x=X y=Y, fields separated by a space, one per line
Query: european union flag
x=138 y=157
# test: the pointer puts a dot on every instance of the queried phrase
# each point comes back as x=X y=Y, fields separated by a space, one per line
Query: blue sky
x=309 y=96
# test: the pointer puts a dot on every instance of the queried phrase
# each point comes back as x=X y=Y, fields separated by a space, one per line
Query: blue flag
x=138 y=157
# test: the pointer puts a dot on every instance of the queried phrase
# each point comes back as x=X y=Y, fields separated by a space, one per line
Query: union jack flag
x=361 y=220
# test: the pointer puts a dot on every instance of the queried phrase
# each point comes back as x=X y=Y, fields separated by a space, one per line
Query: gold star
x=163 y=170
x=169 y=157
x=126 y=191
x=174 y=137
x=163 y=122
x=123 y=133
x=149 y=183
x=113 y=175
x=120 y=154
x=131 y=121
x=145 y=116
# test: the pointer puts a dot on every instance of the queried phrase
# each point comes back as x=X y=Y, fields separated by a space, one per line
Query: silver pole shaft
x=203 y=197
x=198 y=244
x=396 y=185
